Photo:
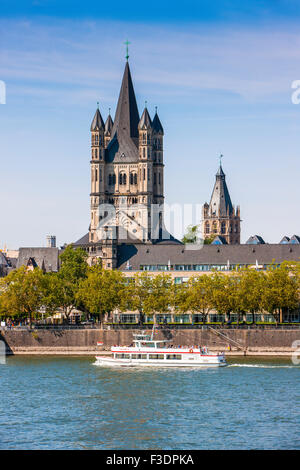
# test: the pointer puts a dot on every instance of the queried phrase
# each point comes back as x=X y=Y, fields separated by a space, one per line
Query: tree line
x=25 y=293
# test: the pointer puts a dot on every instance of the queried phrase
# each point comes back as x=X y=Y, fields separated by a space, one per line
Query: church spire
x=145 y=122
x=156 y=124
x=127 y=115
x=97 y=122
x=220 y=202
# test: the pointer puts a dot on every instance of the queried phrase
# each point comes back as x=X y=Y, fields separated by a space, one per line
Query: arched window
x=96 y=175
x=124 y=178
x=214 y=227
x=131 y=178
x=206 y=227
x=96 y=153
x=144 y=174
x=120 y=178
x=135 y=178
x=223 y=227
x=114 y=179
x=144 y=152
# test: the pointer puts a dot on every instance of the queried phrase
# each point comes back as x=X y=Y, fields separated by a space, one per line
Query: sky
x=220 y=74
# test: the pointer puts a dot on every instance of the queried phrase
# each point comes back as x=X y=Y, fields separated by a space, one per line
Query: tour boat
x=156 y=353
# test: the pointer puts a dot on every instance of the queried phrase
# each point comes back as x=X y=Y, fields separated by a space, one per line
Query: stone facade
x=219 y=217
x=127 y=175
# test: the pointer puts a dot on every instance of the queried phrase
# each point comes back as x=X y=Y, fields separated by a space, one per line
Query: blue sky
x=220 y=75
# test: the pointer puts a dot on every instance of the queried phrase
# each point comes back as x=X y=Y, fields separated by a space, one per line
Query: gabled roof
x=284 y=240
x=109 y=125
x=145 y=121
x=123 y=146
x=255 y=240
x=295 y=239
x=218 y=240
x=156 y=124
x=97 y=122
x=220 y=202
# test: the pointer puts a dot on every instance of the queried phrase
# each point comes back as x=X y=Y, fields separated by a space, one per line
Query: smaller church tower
x=219 y=217
x=145 y=171
x=108 y=130
x=97 y=171
x=158 y=164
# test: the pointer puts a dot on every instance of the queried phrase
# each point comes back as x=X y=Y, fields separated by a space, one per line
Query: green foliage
x=101 y=291
x=73 y=270
x=21 y=293
x=209 y=240
x=191 y=234
x=96 y=291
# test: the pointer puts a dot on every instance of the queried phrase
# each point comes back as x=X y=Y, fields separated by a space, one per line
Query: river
x=69 y=403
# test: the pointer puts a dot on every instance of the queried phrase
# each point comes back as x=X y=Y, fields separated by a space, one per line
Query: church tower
x=126 y=171
x=219 y=217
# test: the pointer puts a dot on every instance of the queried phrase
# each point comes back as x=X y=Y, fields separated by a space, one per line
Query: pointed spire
x=220 y=202
x=156 y=124
x=97 y=122
x=127 y=115
x=108 y=125
x=145 y=122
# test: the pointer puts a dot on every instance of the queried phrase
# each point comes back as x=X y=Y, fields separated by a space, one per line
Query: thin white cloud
x=252 y=64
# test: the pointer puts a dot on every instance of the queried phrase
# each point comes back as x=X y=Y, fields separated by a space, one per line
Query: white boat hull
x=204 y=362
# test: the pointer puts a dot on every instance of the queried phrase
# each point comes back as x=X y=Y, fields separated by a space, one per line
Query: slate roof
x=156 y=124
x=123 y=146
x=220 y=202
x=83 y=240
x=43 y=257
x=97 y=122
x=255 y=240
x=145 y=121
x=209 y=254
x=108 y=125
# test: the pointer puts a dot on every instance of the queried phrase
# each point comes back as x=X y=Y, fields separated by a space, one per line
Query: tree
x=281 y=290
x=200 y=295
x=191 y=235
x=223 y=294
x=102 y=291
x=73 y=270
x=249 y=291
x=150 y=295
x=21 y=293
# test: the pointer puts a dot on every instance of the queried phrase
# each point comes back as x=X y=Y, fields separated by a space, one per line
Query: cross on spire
x=126 y=43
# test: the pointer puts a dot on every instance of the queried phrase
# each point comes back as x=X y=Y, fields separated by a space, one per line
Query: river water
x=69 y=403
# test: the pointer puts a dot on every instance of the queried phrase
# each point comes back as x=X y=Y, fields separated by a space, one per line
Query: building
x=219 y=217
x=127 y=179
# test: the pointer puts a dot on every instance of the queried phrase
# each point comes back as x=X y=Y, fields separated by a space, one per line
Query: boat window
x=174 y=356
x=149 y=345
x=123 y=356
x=139 y=356
x=156 y=356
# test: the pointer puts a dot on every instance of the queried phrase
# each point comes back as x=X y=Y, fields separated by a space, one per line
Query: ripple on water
x=67 y=403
